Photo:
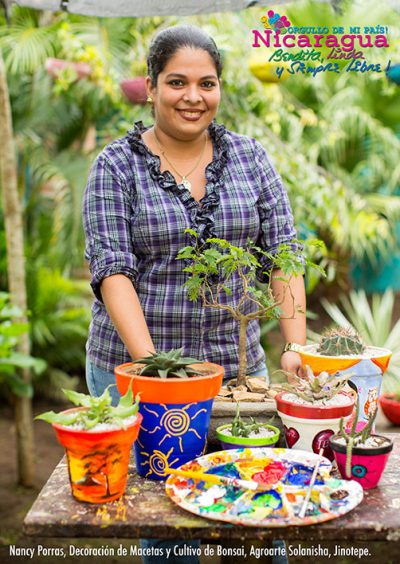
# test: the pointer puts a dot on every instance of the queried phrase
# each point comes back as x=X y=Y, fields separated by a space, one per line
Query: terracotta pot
x=367 y=464
x=229 y=441
x=176 y=416
x=309 y=427
x=55 y=66
x=391 y=408
x=97 y=460
x=366 y=373
x=135 y=90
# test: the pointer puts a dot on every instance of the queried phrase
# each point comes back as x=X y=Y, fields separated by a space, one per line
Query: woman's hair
x=168 y=41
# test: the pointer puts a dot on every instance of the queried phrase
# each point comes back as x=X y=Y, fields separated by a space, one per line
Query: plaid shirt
x=134 y=219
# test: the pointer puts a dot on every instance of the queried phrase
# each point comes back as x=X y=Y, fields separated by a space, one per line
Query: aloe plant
x=97 y=410
x=168 y=364
x=315 y=387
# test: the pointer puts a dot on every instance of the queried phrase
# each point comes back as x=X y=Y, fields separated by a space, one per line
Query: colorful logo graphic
x=276 y=22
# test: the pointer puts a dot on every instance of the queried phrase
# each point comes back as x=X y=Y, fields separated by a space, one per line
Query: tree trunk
x=16 y=273
x=242 y=373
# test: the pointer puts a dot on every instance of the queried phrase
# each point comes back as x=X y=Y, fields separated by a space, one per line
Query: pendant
x=186 y=183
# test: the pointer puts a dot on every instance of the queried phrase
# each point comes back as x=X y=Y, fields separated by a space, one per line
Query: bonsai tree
x=213 y=264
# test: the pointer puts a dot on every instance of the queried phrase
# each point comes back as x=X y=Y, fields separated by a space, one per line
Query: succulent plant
x=341 y=341
x=97 y=410
x=313 y=387
x=168 y=364
x=352 y=437
x=241 y=428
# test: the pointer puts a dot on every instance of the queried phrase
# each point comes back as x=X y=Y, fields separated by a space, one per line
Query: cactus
x=314 y=387
x=353 y=437
x=340 y=341
x=168 y=364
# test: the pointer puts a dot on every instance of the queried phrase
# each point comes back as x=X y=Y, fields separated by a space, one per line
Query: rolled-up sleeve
x=107 y=211
x=276 y=218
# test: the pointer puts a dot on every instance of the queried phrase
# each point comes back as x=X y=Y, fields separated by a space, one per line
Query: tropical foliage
x=335 y=142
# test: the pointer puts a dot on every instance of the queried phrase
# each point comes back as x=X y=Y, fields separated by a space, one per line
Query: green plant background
x=335 y=141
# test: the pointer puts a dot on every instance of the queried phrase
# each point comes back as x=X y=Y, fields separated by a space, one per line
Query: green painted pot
x=229 y=441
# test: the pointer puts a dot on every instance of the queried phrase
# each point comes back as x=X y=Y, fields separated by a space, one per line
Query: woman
x=145 y=189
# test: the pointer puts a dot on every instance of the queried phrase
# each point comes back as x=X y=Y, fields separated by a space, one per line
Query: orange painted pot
x=366 y=373
x=97 y=460
x=176 y=416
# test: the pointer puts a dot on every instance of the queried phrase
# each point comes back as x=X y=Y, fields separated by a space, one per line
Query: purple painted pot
x=367 y=464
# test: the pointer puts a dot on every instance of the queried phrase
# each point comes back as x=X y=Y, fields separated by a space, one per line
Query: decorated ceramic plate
x=283 y=476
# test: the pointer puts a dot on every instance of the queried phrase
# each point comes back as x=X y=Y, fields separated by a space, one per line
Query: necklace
x=186 y=183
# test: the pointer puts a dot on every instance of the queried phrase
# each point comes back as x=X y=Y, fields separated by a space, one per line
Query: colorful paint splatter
x=283 y=475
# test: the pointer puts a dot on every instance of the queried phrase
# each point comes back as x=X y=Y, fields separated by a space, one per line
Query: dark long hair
x=168 y=41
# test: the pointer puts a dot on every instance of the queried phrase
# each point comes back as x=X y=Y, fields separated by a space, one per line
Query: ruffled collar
x=201 y=213
x=213 y=170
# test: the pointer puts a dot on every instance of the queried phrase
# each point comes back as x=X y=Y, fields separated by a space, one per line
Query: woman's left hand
x=291 y=362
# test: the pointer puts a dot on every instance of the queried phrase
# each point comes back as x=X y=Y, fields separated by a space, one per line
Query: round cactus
x=341 y=341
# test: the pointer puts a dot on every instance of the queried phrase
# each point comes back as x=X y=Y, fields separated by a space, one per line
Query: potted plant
x=176 y=396
x=135 y=89
x=311 y=408
x=361 y=455
x=390 y=404
x=342 y=351
x=97 y=438
x=247 y=434
x=56 y=66
x=374 y=320
x=211 y=266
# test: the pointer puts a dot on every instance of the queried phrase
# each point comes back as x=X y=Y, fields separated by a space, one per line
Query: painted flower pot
x=229 y=441
x=308 y=427
x=97 y=460
x=55 y=66
x=176 y=416
x=367 y=464
x=366 y=370
x=135 y=90
x=390 y=407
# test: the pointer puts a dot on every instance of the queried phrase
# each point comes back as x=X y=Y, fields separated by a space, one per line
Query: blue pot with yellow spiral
x=176 y=415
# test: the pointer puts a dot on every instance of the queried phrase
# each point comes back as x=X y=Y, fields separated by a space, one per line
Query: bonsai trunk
x=242 y=373
x=16 y=274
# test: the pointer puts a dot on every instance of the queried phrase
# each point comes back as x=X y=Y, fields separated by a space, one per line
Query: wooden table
x=146 y=512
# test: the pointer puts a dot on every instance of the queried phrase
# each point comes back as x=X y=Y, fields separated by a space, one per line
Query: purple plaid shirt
x=134 y=219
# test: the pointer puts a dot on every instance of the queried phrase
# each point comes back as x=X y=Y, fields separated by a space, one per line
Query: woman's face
x=187 y=94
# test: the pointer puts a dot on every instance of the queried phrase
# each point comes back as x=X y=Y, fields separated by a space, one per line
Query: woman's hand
x=291 y=362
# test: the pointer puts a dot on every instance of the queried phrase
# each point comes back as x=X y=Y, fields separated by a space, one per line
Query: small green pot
x=229 y=441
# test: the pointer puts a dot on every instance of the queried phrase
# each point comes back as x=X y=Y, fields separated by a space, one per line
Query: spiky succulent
x=168 y=364
x=241 y=428
x=314 y=387
x=341 y=341
x=352 y=437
